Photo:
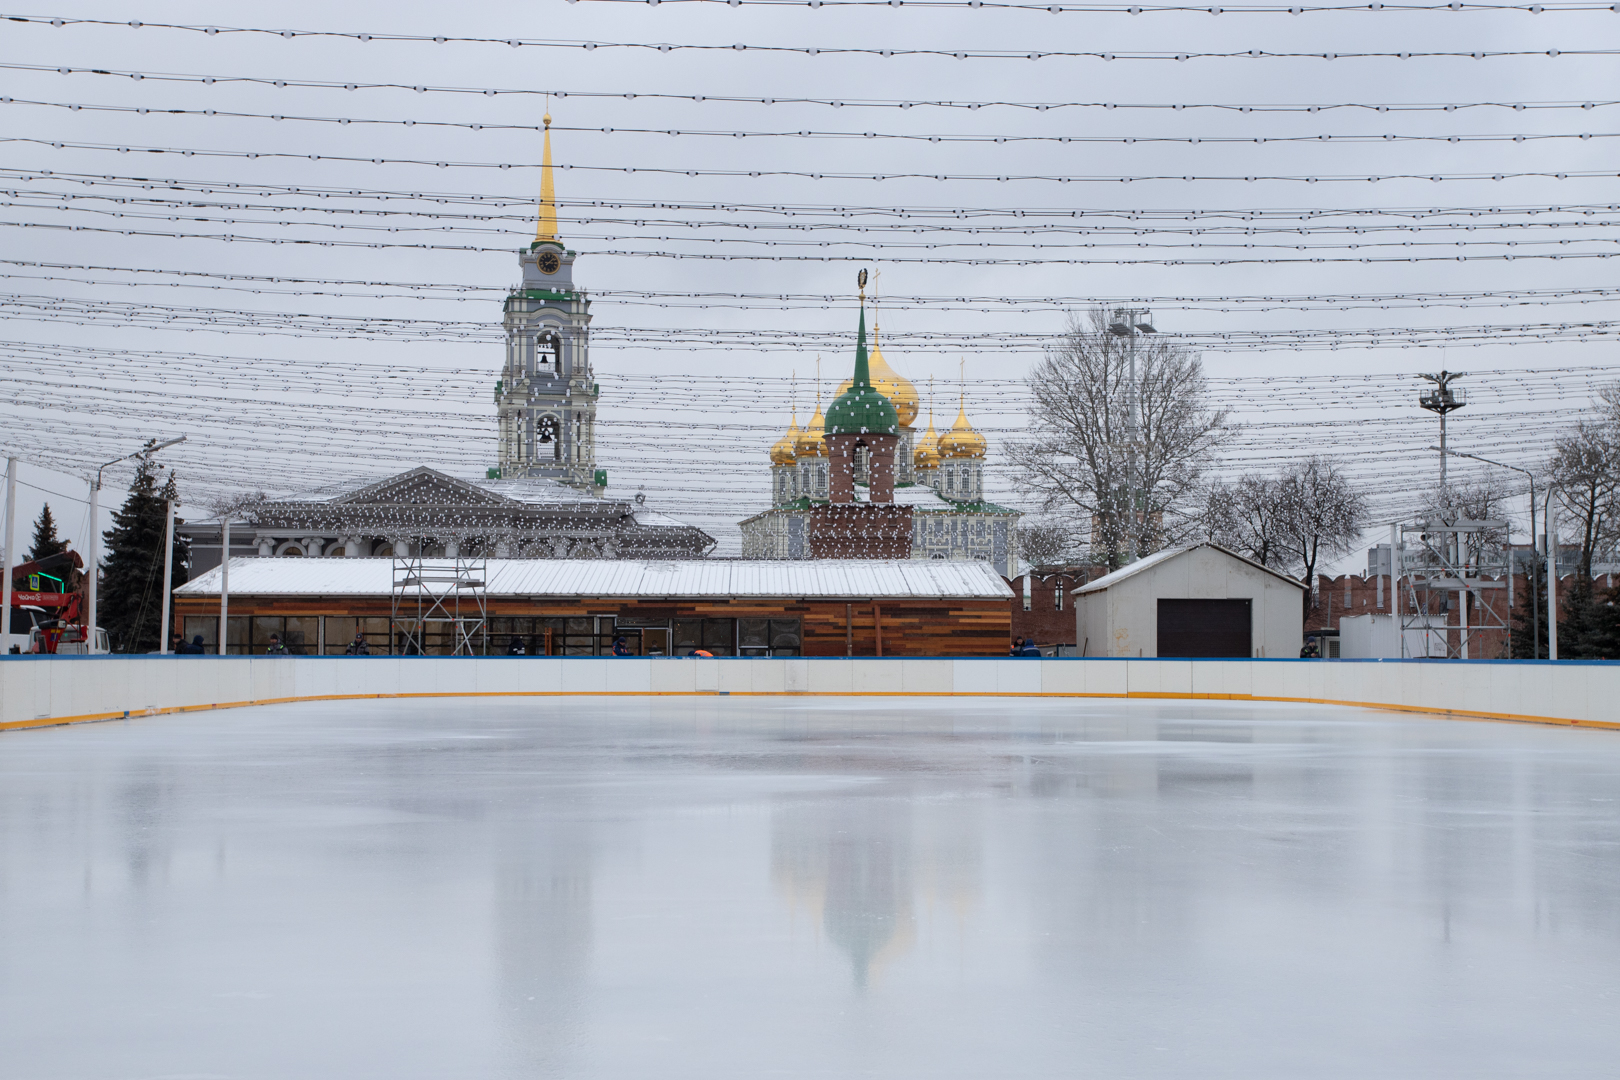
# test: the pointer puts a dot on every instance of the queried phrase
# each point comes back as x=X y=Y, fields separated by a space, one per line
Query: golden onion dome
x=809 y=443
x=785 y=449
x=890 y=383
x=927 y=452
x=961 y=441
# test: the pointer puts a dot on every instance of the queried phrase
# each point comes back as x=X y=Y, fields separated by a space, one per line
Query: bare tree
x=1289 y=522
x=1076 y=459
x=1586 y=467
x=1473 y=501
x=1325 y=515
x=1250 y=517
x=1045 y=545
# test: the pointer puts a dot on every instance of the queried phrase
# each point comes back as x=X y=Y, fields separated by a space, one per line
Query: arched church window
x=549 y=350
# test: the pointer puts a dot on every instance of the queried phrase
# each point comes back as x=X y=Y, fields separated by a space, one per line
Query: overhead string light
x=802 y=50
x=810 y=134
x=828 y=102
x=1367 y=6
x=332 y=195
x=58 y=310
x=659 y=253
x=654 y=170
x=462 y=293
x=949 y=230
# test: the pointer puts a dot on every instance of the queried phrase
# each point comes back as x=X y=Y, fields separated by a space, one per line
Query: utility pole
x=1441 y=400
x=1127 y=323
x=11 y=550
x=93 y=567
x=1552 y=574
x=168 y=574
x=1535 y=623
x=224 y=577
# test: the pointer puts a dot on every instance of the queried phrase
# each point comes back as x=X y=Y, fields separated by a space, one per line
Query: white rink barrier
x=40 y=691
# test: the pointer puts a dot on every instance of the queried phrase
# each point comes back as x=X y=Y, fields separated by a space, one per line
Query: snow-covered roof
x=605 y=578
x=1149 y=561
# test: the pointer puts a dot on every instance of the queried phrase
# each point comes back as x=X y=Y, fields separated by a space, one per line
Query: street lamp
x=1127 y=323
x=93 y=568
x=1535 y=625
x=1552 y=574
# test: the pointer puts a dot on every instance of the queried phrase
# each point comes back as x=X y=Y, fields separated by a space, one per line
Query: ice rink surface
x=768 y=887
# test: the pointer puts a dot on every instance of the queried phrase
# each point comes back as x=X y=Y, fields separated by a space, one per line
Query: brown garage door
x=1204 y=628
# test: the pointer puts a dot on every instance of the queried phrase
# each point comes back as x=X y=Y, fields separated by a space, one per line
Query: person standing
x=358 y=646
x=276 y=647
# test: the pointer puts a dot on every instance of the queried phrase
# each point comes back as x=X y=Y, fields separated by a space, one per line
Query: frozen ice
x=808 y=887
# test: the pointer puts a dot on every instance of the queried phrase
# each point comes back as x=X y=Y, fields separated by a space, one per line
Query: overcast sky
x=282 y=386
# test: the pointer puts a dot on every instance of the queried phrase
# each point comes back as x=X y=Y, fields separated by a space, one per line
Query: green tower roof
x=862 y=410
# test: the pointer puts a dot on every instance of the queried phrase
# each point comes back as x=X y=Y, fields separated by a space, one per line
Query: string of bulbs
x=811 y=134
x=802 y=174
x=808 y=50
x=827 y=102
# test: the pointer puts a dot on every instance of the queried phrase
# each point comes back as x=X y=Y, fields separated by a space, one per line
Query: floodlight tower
x=1127 y=323
x=1441 y=400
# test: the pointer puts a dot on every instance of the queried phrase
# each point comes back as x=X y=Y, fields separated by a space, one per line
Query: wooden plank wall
x=909 y=627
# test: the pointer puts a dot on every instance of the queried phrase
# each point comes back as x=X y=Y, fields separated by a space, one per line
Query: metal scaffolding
x=447 y=594
x=1438 y=568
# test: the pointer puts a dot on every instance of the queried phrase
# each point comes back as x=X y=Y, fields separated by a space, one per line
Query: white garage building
x=1200 y=600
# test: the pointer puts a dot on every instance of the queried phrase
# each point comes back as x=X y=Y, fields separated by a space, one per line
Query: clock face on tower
x=549 y=263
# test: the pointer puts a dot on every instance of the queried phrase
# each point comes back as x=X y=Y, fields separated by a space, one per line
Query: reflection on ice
x=738 y=887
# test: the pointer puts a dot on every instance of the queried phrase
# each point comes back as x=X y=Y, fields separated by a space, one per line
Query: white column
x=1462 y=615
x=1552 y=582
x=10 y=539
x=168 y=575
x=1395 y=589
x=224 y=580
x=92 y=568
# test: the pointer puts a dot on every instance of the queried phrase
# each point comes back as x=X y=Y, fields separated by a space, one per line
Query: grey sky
x=692 y=425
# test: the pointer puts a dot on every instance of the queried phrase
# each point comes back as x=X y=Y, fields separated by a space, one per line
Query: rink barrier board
x=40 y=692
x=63 y=721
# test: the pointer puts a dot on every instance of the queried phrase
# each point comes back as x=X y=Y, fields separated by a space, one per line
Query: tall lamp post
x=10 y=540
x=1535 y=624
x=1127 y=323
x=1552 y=574
x=93 y=569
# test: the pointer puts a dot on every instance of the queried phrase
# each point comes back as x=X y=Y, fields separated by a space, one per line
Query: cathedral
x=544 y=499
x=934 y=481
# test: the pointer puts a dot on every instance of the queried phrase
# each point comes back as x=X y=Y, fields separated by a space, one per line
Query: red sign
x=41 y=599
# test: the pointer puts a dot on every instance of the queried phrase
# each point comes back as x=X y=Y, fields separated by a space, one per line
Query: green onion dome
x=862 y=409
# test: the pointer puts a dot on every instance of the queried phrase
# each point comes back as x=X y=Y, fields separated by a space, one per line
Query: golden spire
x=785 y=449
x=927 y=452
x=546 y=231
x=809 y=443
x=962 y=441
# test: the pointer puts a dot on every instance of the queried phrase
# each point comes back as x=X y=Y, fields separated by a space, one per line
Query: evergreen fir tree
x=46 y=542
x=130 y=597
x=1603 y=632
x=1577 y=622
x=1530 y=616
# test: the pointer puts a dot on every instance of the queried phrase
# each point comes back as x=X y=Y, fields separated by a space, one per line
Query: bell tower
x=546 y=397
